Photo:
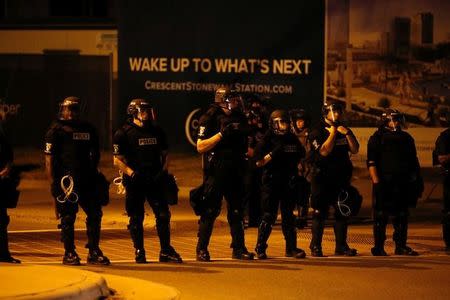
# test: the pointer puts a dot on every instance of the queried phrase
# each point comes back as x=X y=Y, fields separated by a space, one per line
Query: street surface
x=35 y=240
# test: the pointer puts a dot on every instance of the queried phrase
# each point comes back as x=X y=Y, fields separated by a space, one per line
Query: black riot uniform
x=331 y=174
x=144 y=149
x=224 y=169
x=6 y=158
x=252 y=197
x=442 y=151
x=279 y=154
x=304 y=187
x=395 y=171
x=73 y=149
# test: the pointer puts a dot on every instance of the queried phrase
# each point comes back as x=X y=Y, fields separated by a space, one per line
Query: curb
x=49 y=282
x=133 y=288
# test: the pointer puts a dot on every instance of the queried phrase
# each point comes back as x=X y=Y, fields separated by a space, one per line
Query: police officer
x=141 y=153
x=279 y=155
x=71 y=160
x=300 y=125
x=6 y=159
x=253 y=174
x=442 y=150
x=222 y=139
x=395 y=173
x=332 y=169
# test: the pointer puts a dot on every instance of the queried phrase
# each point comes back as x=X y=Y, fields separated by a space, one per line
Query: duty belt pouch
x=349 y=201
x=355 y=200
x=196 y=199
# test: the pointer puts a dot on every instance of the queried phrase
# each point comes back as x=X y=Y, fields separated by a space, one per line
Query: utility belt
x=213 y=159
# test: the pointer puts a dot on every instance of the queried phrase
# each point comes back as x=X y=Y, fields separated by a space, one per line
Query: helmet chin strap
x=332 y=114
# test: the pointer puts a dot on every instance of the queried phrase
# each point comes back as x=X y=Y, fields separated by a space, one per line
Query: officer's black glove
x=277 y=150
x=228 y=130
x=137 y=177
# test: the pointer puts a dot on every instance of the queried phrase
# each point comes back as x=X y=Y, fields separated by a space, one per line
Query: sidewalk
x=52 y=283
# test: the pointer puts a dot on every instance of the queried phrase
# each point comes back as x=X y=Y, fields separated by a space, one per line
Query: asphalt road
x=34 y=239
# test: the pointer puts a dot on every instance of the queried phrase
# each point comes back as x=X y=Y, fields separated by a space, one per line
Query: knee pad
x=319 y=214
x=135 y=221
x=268 y=218
x=211 y=213
x=67 y=222
x=94 y=219
x=163 y=217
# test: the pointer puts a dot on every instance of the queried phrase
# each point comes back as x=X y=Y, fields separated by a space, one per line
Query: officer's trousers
x=4 y=221
x=137 y=195
x=223 y=179
x=446 y=211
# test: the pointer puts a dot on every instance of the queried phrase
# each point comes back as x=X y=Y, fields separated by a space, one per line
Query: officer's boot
x=400 y=235
x=290 y=236
x=446 y=231
x=237 y=237
x=264 y=231
x=5 y=255
x=379 y=235
x=95 y=255
x=205 y=227
x=167 y=253
x=317 y=227
x=340 y=233
x=67 y=237
x=137 y=235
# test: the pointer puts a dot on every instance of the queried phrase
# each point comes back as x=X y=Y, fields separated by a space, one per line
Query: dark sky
x=370 y=17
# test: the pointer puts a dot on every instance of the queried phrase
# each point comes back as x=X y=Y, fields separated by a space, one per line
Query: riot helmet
x=228 y=99
x=69 y=109
x=300 y=120
x=142 y=110
x=279 y=122
x=392 y=119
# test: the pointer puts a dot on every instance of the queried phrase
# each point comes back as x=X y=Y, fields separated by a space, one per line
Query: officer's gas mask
x=229 y=100
x=141 y=110
x=393 y=120
x=299 y=120
x=279 y=122
x=69 y=109
x=254 y=117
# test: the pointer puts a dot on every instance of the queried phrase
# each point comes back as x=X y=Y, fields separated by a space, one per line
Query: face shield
x=280 y=126
x=69 y=109
x=394 y=120
x=233 y=102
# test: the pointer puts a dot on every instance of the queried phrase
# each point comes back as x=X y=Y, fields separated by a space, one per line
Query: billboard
x=390 y=54
x=176 y=54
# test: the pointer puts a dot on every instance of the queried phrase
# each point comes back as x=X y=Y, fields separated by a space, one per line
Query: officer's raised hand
x=331 y=129
x=277 y=149
x=343 y=130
